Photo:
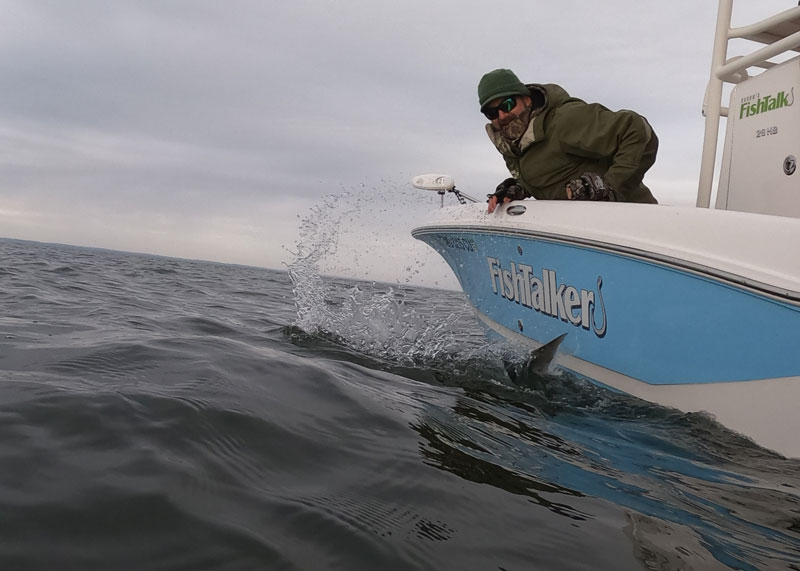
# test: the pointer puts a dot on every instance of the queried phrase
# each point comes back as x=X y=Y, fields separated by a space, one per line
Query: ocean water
x=170 y=414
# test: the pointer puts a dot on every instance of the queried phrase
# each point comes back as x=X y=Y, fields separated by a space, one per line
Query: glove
x=509 y=188
x=590 y=186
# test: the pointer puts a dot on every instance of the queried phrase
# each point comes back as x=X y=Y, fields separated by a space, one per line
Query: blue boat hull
x=645 y=319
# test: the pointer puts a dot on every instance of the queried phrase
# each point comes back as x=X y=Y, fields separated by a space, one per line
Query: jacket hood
x=550 y=94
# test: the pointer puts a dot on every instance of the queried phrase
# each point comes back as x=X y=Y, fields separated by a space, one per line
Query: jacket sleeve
x=593 y=131
x=512 y=165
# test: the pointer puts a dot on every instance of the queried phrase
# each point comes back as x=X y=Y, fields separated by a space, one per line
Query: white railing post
x=713 y=104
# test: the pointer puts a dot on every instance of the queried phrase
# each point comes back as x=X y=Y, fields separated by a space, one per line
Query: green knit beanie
x=499 y=83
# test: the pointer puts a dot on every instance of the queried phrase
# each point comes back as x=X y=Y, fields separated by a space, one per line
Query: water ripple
x=171 y=414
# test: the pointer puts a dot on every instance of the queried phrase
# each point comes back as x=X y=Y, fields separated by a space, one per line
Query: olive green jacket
x=567 y=137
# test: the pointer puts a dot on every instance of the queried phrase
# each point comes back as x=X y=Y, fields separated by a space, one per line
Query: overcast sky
x=210 y=130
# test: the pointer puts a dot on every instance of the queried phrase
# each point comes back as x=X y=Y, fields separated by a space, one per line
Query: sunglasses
x=506 y=105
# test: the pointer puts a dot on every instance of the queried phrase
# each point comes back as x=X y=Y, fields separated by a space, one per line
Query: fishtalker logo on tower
x=545 y=295
x=755 y=104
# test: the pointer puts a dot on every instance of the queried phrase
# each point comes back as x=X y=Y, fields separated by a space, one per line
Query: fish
x=529 y=372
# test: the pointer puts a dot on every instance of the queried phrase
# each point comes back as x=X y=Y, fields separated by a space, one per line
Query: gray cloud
x=204 y=129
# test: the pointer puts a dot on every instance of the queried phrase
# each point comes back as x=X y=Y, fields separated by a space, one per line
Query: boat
x=696 y=308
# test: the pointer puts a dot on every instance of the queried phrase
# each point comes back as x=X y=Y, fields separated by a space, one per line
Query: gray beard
x=514 y=129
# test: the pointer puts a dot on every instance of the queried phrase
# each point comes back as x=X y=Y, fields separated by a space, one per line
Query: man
x=558 y=147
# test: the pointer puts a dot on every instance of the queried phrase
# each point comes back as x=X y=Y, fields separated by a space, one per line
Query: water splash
x=345 y=234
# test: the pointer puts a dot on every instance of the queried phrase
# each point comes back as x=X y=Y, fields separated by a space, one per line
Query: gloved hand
x=506 y=191
x=590 y=186
x=510 y=189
